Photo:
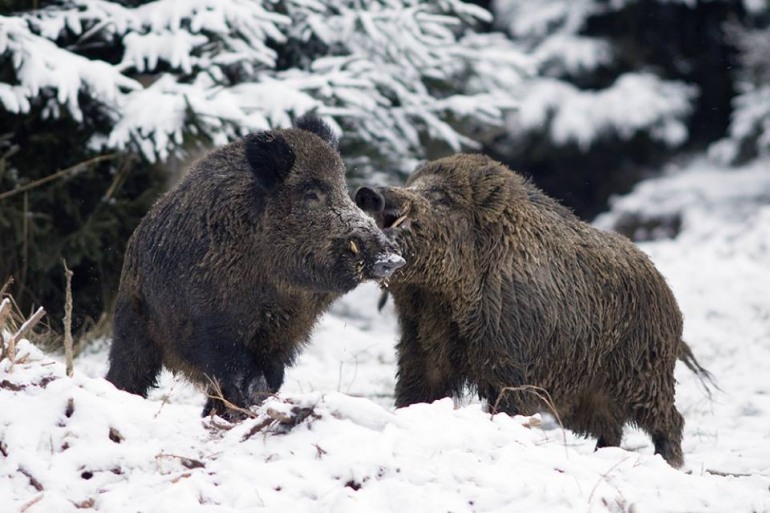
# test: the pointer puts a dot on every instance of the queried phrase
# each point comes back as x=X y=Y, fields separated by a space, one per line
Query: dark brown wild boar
x=507 y=291
x=227 y=274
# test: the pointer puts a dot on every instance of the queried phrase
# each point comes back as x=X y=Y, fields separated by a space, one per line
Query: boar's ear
x=491 y=193
x=310 y=123
x=269 y=156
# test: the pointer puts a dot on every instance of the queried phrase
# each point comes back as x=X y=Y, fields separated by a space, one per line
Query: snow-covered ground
x=331 y=440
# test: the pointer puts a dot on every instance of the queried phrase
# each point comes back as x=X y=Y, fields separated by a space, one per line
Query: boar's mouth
x=389 y=210
x=393 y=220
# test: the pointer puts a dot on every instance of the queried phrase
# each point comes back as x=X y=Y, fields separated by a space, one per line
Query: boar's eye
x=313 y=196
x=440 y=197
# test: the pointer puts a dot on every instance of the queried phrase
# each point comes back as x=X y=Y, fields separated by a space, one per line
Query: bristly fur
x=311 y=123
x=505 y=290
x=226 y=276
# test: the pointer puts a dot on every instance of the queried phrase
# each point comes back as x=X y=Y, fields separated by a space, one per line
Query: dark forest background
x=77 y=173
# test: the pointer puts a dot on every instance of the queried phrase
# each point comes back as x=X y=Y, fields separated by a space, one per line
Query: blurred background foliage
x=102 y=104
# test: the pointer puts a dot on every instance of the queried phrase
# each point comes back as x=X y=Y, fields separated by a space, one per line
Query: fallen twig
x=727 y=474
x=188 y=463
x=31 y=503
x=257 y=428
x=34 y=482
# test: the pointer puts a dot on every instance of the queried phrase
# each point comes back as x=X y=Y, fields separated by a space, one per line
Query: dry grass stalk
x=68 y=358
x=6 y=285
x=216 y=393
x=28 y=324
x=542 y=394
x=25 y=240
x=5 y=310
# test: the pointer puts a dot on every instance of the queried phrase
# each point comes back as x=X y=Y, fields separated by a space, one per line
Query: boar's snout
x=386 y=265
x=381 y=256
x=377 y=255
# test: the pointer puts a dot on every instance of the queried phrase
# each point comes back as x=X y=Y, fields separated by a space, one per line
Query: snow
x=555 y=106
x=41 y=65
x=570 y=54
x=143 y=51
x=332 y=441
x=155 y=117
x=526 y=19
x=635 y=103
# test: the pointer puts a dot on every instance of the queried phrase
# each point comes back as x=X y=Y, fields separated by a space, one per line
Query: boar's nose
x=386 y=265
x=369 y=200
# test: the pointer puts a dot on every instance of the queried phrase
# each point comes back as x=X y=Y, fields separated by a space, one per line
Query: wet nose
x=369 y=200
x=386 y=265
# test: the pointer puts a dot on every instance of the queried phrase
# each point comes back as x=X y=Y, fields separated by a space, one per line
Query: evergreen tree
x=126 y=90
x=748 y=135
x=621 y=87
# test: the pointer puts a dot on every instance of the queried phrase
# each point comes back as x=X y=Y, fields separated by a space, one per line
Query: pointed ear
x=269 y=156
x=310 y=123
x=491 y=193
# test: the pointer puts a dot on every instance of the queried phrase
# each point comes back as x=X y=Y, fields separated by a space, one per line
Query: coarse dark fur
x=224 y=279
x=509 y=292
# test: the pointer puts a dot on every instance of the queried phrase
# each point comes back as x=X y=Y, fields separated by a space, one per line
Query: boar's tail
x=688 y=358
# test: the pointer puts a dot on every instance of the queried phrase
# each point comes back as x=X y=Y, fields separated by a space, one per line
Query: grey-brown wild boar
x=227 y=274
x=508 y=292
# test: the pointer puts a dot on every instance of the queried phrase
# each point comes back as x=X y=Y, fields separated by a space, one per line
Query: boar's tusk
x=353 y=248
x=398 y=221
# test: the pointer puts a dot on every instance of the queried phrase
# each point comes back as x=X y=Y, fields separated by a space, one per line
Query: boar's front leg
x=222 y=357
x=422 y=377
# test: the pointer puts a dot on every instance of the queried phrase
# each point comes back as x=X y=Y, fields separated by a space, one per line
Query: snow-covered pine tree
x=749 y=133
x=402 y=80
x=567 y=103
x=395 y=76
x=619 y=88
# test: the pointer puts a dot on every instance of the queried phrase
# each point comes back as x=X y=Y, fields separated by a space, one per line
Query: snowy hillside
x=331 y=440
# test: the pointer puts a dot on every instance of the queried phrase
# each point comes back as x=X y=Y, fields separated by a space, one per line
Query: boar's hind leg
x=610 y=436
x=596 y=413
x=667 y=437
x=135 y=360
x=664 y=424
